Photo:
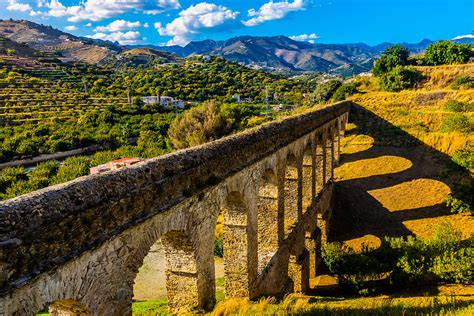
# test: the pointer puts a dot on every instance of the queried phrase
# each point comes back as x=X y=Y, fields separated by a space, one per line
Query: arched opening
x=150 y=281
x=267 y=218
x=238 y=267
x=329 y=154
x=337 y=141
x=320 y=164
x=167 y=279
x=312 y=244
x=292 y=193
x=308 y=175
x=219 y=256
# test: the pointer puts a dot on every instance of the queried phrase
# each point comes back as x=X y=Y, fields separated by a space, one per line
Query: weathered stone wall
x=100 y=228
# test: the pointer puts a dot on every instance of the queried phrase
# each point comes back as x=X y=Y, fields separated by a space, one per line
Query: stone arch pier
x=77 y=247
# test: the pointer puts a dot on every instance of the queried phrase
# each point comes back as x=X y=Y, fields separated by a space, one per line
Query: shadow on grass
x=357 y=213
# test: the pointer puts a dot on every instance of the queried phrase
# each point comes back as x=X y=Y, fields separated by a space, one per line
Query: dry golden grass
x=297 y=304
x=412 y=194
x=421 y=112
x=441 y=76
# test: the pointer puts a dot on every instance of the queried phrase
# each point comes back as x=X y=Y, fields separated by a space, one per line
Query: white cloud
x=41 y=3
x=305 y=37
x=463 y=36
x=126 y=38
x=13 y=5
x=35 y=13
x=118 y=25
x=273 y=11
x=97 y=10
x=71 y=28
x=89 y=24
x=193 y=20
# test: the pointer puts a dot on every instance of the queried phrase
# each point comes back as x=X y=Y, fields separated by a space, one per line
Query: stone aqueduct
x=78 y=246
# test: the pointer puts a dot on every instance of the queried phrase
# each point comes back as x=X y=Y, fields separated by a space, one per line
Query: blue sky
x=172 y=22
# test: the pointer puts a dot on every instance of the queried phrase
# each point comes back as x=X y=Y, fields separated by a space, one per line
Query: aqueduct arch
x=280 y=172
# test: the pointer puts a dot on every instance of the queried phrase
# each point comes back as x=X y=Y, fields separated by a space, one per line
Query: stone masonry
x=77 y=247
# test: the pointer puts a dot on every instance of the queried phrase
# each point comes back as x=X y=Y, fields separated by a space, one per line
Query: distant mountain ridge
x=284 y=54
x=273 y=53
x=47 y=39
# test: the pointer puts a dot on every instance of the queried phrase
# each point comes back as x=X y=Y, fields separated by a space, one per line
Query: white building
x=165 y=101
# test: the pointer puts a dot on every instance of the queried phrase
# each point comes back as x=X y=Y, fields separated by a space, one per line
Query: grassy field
x=314 y=305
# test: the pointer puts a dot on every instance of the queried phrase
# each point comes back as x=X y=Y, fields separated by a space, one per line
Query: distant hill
x=275 y=53
x=141 y=57
x=284 y=54
x=47 y=39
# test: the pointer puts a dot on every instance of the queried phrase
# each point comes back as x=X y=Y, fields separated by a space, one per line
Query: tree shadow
x=357 y=213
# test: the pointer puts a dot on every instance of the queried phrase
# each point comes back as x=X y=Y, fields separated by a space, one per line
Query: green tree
x=72 y=168
x=324 y=91
x=447 y=52
x=344 y=91
x=395 y=55
x=199 y=125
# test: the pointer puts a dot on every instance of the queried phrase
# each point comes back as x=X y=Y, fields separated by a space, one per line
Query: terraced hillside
x=25 y=98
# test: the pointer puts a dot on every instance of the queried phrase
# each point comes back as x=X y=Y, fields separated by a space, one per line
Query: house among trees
x=237 y=98
x=164 y=101
x=115 y=164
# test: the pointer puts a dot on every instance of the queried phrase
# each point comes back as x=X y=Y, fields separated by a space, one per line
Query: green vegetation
x=326 y=90
x=391 y=69
x=394 y=56
x=446 y=53
x=403 y=262
x=210 y=121
x=156 y=307
x=461 y=199
x=458 y=106
x=219 y=247
x=464 y=82
x=400 y=78
x=344 y=91
x=464 y=157
x=71 y=107
x=457 y=123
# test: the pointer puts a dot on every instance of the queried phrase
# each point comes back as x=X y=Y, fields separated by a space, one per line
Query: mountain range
x=275 y=53
x=280 y=53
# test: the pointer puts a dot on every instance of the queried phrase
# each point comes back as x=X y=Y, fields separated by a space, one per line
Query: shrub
x=447 y=52
x=461 y=200
x=456 y=123
x=394 y=56
x=406 y=261
x=344 y=91
x=219 y=247
x=400 y=78
x=465 y=82
x=198 y=125
x=464 y=157
x=324 y=91
x=72 y=168
x=458 y=106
